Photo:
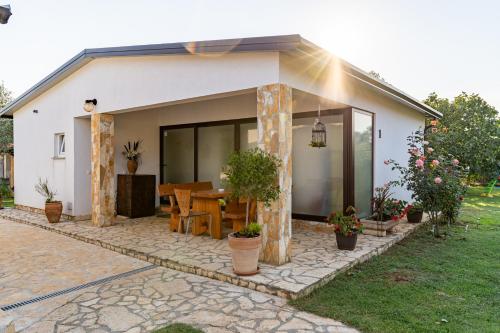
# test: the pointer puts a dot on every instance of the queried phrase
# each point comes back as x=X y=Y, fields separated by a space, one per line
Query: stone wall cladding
x=103 y=169
x=274 y=123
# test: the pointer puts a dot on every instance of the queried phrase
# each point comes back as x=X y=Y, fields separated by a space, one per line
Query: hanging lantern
x=318 y=132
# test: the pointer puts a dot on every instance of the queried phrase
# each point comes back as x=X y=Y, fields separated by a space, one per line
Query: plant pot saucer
x=247 y=274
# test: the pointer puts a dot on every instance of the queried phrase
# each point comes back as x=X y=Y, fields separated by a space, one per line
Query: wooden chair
x=183 y=197
x=236 y=213
x=167 y=190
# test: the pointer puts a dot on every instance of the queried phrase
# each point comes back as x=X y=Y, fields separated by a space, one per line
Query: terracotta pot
x=346 y=242
x=415 y=215
x=132 y=166
x=245 y=253
x=53 y=211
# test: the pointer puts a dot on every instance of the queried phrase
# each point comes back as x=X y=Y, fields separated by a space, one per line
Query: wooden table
x=208 y=201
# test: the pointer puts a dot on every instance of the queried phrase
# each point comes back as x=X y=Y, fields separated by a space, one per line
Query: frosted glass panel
x=215 y=144
x=248 y=136
x=362 y=149
x=178 y=155
x=317 y=172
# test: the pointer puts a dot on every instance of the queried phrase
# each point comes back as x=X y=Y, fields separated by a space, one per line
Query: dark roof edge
x=267 y=43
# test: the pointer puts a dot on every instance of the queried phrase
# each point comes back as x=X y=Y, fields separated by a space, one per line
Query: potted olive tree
x=347 y=227
x=53 y=208
x=253 y=175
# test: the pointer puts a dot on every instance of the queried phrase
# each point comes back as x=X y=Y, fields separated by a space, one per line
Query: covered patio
x=316 y=259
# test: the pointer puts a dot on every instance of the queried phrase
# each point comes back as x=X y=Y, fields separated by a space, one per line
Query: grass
x=178 y=328
x=424 y=284
x=8 y=203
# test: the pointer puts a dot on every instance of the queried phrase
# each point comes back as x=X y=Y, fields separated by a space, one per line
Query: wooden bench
x=167 y=190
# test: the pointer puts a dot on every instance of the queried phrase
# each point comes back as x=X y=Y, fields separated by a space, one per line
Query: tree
x=253 y=175
x=470 y=131
x=6 y=127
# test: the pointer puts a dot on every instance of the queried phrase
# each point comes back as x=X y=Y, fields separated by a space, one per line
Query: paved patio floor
x=35 y=262
x=316 y=259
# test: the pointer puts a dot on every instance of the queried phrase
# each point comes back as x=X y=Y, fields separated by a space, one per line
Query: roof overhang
x=285 y=43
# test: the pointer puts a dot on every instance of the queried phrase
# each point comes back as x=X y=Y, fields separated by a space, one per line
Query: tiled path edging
x=312 y=249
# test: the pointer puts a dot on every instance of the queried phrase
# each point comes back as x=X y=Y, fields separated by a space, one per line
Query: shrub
x=436 y=181
x=253 y=174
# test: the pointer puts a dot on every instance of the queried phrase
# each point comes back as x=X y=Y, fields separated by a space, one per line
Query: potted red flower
x=414 y=212
x=347 y=228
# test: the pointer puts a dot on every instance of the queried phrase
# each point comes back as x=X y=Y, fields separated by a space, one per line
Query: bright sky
x=418 y=46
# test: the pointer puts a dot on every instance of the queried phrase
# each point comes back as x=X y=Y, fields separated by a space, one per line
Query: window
x=59 y=145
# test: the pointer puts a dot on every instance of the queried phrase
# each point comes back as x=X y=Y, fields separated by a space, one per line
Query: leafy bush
x=385 y=207
x=346 y=223
x=250 y=231
x=5 y=191
x=253 y=174
x=435 y=180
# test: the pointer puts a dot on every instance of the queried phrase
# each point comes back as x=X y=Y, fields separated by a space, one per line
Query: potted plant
x=132 y=155
x=53 y=208
x=386 y=211
x=414 y=212
x=245 y=247
x=253 y=175
x=347 y=228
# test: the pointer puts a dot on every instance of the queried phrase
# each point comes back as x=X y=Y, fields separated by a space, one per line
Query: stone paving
x=156 y=298
x=51 y=262
x=315 y=257
x=34 y=262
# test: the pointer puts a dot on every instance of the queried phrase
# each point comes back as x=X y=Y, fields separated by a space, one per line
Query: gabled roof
x=282 y=43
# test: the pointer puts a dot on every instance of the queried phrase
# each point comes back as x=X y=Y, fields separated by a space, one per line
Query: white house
x=193 y=103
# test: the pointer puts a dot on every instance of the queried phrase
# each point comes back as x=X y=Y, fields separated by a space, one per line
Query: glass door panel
x=317 y=188
x=215 y=144
x=248 y=136
x=363 y=153
x=178 y=155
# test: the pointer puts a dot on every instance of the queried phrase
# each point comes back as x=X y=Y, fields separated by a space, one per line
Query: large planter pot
x=346 y=242
x=245 y=254
x=378 y=228
x=53 y=211
x=132 y=166
x=415 y=215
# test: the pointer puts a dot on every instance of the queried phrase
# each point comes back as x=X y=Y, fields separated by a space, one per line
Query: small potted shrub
x=347 y=228
x=253 y=175
x=5 y=192
x=245 y=247
x=53 y=208
x=386 y=211
x=414 y=212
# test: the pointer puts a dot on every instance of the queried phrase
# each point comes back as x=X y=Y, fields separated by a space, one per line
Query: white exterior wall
x=117 y=84
x=148 y=82
x=396 y=120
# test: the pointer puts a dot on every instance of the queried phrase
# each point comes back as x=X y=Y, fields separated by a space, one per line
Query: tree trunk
x=247 y=212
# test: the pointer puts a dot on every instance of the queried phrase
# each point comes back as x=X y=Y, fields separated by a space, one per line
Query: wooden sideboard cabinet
x=136 y=195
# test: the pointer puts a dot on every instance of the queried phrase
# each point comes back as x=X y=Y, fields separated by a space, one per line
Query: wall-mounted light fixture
x=5 y=14
x=35 y=111
x=90 y=104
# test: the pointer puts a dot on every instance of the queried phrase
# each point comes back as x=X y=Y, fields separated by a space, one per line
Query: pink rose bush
x=435 y=181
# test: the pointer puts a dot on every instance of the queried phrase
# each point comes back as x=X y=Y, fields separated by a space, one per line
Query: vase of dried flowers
x=132 y=155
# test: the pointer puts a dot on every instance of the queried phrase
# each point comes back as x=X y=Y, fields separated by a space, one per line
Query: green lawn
x=8 y=203
x=425 y=284
x=178 y=328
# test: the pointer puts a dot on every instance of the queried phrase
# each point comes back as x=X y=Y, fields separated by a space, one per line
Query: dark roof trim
x=271 y=43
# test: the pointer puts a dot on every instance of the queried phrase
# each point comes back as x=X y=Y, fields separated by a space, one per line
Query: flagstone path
x=34 y=262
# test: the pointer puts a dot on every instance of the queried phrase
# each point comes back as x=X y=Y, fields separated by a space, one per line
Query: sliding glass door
x=199 y=152
x=317 y=188
x=362 y=143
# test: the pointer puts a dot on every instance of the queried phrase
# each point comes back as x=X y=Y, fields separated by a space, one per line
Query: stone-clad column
x=103 y=170
x=274 y=122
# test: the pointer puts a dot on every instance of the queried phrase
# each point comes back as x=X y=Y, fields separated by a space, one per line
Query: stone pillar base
x=274 y=122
